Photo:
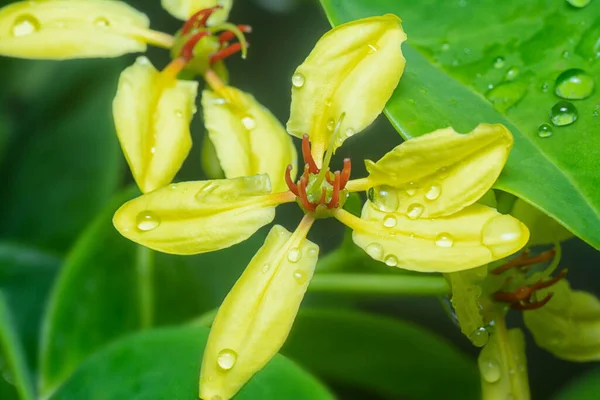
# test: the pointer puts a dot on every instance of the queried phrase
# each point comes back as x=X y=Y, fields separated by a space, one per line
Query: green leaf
x=454 y=53
x=165 y=364
x=392 y=358
x=66 y=163
x=110 y=286
x=585 y=387
x=12 y=357
x=569 y=325
x=26 y=276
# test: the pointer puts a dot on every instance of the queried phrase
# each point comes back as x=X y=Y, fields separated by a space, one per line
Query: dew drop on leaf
x=579 y=3
x=499 y=62
x=574 y=84
x=563 y=113
x=544 y=131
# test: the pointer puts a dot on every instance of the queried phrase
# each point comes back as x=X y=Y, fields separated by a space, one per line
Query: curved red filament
x=229 y=35
x=226 y=52
x=521 y=297
x=187 y=51
x=198 y=19
x=307 y=155
x=335 y=196
x=288 y=180
x=345 y=173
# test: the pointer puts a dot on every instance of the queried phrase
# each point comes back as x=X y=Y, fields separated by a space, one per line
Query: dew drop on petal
x=375 y=250
x=350 y=132
x=479 y=337
x=294 y=255
x=563 y=113
x=434 y=192
x=574 y=84
x=300 y=276
x=501 y=233
x=414 y=211
x=490 y=369
x=249 y=122
x=226 y=359
x=444 y=240
x=384 y=198
x=390 y=221
x=147 y=221
x=544 y=131
x=266 y=268
x=102 y=22
x=298 y=80
x=391 y=261
x=25 y=25
x=179 y=114
x=312 y=252
x=330 y=124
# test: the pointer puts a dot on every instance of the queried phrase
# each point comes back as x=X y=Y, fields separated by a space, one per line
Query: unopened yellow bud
x=257 y=314
x=184 y=9
x=152 y=116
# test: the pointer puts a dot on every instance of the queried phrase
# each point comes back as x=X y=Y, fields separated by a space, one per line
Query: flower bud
x=184 y=9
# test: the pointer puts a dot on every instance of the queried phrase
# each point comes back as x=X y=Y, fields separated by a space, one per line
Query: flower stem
x=145 y=274
x=519 y=389
x=409 y=285
x=155 y=38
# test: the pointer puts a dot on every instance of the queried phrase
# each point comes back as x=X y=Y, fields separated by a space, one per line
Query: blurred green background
x=60 y=165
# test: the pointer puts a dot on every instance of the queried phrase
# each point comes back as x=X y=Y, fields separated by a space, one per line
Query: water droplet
x=589 y=45
x=544 y=131
x=300 y=276
x=312 y=252
x=595 y=113
x=512 y=74
x=579 y=3
x=249 y=122
x=390 y=221
x=102 y=22
x=444 y=240
x=391 y=261
x=179 y=114
x=142 y=60
x=385 y=198
x=503 y=235
x=146 y=221
x=545 y=87
x=414 y=211
x=490 y=370
x=294 y=255
x=574 y=84
x=479 y=337
x=434 y=192
x=373 y=48
x=266 y=268
x=25 y=25
x=350 y=132
x=207 y=189
x=563 y=113
x=445 y=46
x=499 y=62
x=507 y=94
x=330 y=124
x=298 y=80
x=375 y=250
x=226 y=359
x=411 y=188
x=153 y=150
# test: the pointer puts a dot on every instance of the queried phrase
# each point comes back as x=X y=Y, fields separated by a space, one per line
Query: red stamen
x=323 y=196
x=226 y=52
x=303 y=198
x=532 y=305
x=345 y=173
x=229 y=35
x=524 y=261
x=335 y=197
x=550 y=282
x=328 y=178
x=198 y=19
x=308 y=158
x=187 y=51
x=288 y=180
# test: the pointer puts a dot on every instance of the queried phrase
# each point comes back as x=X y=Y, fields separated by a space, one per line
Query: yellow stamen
x=359 y=185
x=155 y=38
x=346 y=218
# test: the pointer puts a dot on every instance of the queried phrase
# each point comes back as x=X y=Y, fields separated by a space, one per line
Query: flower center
x=319 y=191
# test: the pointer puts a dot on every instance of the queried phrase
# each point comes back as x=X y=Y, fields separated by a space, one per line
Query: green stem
x=145 y=273
x=409 y=285
x=519 y=389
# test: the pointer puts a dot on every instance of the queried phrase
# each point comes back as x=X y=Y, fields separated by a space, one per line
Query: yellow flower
x=152 y=110
x=184 y=9
x=421 y=214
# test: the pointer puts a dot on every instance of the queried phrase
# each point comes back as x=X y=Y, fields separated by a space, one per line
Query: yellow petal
x=353 y=69
x=472 y=237
x=152 y=122
x=441 y=172
x=184 y=9
x=197 y=217
x=257 y=314
x=60 y=29
x=248 y=139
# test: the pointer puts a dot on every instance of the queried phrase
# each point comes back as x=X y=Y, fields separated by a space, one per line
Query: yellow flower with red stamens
x=421 y=213
x=152 y=110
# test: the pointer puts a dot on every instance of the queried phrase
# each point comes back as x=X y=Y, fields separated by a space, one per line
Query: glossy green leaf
x=165 y=364
x=109 y=287
x=585 y=387
x=65 y=162
x=13 y=365
x=569 y=325
x=26 y=276
x=392 y=358
x=496 y=62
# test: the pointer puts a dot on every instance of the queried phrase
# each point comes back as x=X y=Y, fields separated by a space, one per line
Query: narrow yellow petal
x=61 y=29
x=472 y=237
x=152 y=122
x=353 y=69
x=197 y=217
x=441 y=172
x=248 y=139
x=257 y=314
x=184 y=9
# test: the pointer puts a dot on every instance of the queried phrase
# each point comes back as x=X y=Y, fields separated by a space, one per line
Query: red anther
x=229 y=35
x=524 y=261
x=335 y=196
x=550 y=282
x=226 y=52
x=187 y=51
x=288 y=180
x=307 y=155
x=328 y=178
x=520 y=298
x=302 y=195
x=198 y=19
x=345 y=173
x=323 y=196
x=532 y=305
